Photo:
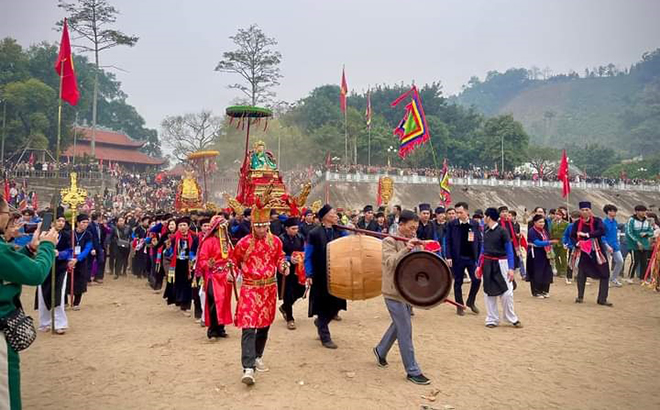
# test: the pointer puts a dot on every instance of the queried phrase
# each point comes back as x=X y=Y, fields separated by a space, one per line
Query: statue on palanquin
x=189 y=194
x=260 y=159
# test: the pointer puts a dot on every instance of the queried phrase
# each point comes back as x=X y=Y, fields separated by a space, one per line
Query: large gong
x=423 y=279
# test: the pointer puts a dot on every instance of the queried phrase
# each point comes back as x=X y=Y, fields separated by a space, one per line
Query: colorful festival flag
x=64 y=68
x=343 y=92
x=562 y=175
x=412 y=130
x=367 y=113
x=445 y=190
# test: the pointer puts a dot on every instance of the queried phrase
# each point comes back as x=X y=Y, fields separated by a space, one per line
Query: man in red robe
x=212 y=266
x=257 y=257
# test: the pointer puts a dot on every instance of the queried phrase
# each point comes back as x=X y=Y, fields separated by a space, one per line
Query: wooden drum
x=354 y=267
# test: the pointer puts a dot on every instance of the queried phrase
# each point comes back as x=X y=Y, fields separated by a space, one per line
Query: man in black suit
x=463 y=239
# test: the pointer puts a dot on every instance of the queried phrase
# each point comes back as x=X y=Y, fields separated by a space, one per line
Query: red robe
x=210 y=249
x=256 y=303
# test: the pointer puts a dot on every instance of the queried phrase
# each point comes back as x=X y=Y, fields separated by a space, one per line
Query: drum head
x=423 y=279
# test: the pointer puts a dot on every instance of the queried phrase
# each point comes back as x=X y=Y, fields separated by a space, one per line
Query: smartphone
x=47 y=222
x=29 y=228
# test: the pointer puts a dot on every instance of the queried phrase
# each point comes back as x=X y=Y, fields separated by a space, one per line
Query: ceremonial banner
x=445 y=191
x=367 y=113
x=412 y=130
x=64 y=68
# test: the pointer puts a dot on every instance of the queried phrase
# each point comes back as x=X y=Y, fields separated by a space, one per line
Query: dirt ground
x=127 y=350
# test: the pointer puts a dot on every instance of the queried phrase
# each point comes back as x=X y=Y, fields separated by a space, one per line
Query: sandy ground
x=127 y=350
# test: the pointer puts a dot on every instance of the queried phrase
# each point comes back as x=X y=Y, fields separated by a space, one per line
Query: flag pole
x=53 y=282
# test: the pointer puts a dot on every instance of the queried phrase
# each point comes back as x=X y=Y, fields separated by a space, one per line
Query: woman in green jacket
x=27 y=266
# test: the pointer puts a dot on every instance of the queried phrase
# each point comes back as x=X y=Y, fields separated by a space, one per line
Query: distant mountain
x=612 y=107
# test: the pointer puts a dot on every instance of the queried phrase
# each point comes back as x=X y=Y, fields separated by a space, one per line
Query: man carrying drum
x=401 y=328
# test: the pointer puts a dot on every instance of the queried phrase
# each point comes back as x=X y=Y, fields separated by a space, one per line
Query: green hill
x=620 y=109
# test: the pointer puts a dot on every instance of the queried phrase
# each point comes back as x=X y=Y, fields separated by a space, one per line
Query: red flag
x=35 y=201
x=31 y=160
x=7 y=189
x=64 y=68
x=343 y=92
x=562 y=175
x=367 y=113
x=328 y=160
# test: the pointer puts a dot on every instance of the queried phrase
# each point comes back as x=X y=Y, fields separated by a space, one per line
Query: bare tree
x=543 y=159
x=89 y=20
x=255 y=61
x=190 y=132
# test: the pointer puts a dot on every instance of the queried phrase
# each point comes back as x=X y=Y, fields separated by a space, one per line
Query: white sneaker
x=568 y=281
x=248 y=377
x=629 y=281
x=259 y=364
x=546 y=295
x=467 y=280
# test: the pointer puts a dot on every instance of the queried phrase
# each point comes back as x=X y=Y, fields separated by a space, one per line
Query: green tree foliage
x=462 y=135
x=608 y=105
x=592 y=159
x=504 y=133
x=30 y=85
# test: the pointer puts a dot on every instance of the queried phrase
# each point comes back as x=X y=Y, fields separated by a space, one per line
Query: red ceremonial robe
x=217 y=275
x=257 y=260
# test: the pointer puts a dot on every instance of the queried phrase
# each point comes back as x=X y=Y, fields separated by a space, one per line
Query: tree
x=592 y=158
x=89 y=19
x=543 y=159
x=190 y=132
x=504 y=131
x=255 y=61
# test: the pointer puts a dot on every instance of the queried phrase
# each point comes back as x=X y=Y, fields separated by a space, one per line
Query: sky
x=171 y=69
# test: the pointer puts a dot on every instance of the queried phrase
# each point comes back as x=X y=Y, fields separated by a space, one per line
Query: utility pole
x=502 y=170
x=4 y=132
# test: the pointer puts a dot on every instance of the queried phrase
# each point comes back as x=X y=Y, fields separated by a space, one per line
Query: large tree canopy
x=29 y=85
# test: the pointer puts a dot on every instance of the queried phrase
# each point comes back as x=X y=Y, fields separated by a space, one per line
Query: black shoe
x=460 y=311
x=474 y=309
x=579 y=300
x=608 y=304
x=380 y=360
x=491 y=326
x=517 y=324
x=421 y=379
x=316 y=323
x=329 y=344
x=283 y=312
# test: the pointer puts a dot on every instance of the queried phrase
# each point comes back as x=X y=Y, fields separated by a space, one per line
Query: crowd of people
x=478 y=173
x=196 y=258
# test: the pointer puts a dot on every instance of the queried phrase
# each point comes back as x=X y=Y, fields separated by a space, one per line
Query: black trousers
x=213 y=328
x=322 y=326
x=538 y=289
x=121 y=261
x=287 y=306
x=569 y=271
x=641 y=260
x=253 y=343
x=459 y=266
x=197 y=300
x=603 y=287
x=77 y=298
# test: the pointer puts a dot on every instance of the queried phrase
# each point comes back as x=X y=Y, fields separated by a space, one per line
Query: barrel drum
x=355 y=267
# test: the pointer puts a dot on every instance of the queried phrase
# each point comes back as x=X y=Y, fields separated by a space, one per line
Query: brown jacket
x=393 y=251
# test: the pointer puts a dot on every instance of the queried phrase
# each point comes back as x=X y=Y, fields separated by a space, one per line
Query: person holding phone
x=79 y=263
x=28 y=265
